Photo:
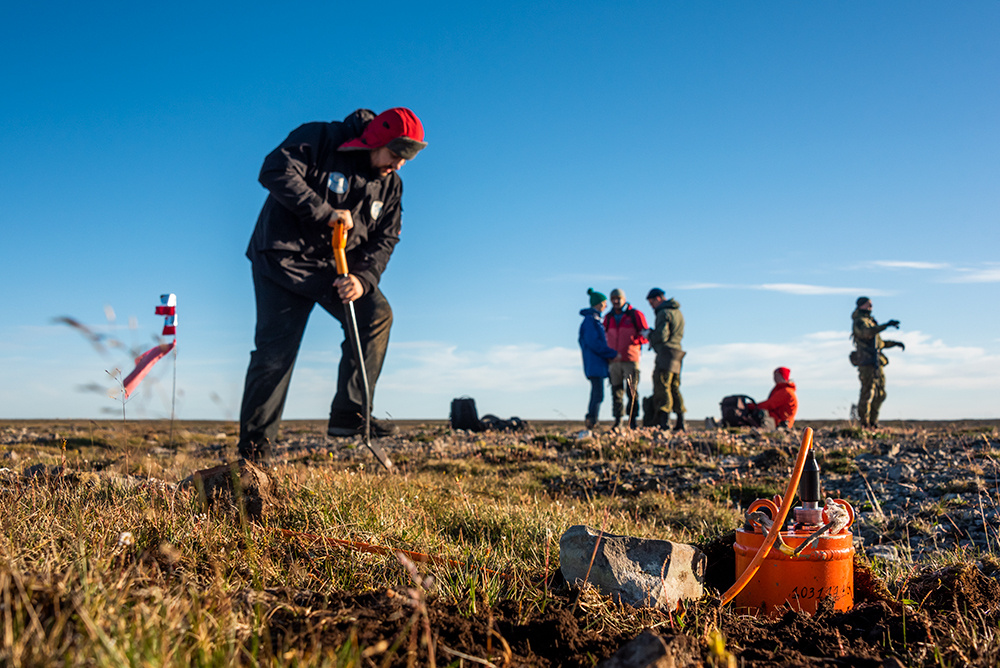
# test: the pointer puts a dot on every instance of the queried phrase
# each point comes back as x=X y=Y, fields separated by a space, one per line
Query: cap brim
x=405 y=147
x=354 y=145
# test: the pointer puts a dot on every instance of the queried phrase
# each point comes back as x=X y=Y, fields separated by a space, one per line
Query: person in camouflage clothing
x=665 y=339
x=868 y=357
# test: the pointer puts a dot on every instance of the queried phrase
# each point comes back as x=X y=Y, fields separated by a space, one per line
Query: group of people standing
x=611 y=348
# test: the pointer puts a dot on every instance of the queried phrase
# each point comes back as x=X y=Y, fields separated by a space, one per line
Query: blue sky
x=764 y=163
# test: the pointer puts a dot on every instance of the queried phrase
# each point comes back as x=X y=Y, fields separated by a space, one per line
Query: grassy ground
x=105 y=561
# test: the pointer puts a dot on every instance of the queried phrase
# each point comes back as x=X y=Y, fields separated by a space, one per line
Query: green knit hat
x=595 y=297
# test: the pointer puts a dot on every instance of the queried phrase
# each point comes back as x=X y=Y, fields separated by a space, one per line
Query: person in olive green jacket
x=665 y=339
x=868 y=357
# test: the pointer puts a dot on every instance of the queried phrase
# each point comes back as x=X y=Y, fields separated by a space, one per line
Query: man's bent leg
x=374 y=318
x=281 y=320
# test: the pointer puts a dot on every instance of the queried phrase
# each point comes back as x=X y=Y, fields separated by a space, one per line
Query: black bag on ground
x=464 y=414
x=648 y=419
x=493 y=423
x=736 y=412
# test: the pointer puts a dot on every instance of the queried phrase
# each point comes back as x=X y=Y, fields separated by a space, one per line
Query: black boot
x=680 y=423
x=258 y=453
x=664 y=420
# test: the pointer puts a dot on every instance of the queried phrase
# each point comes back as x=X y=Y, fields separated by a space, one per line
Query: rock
x=636 y=571
x=771 y=458
x=884 y=552
x=649 y=650
x=241 y=483
x=43 y=471
x=901 y=472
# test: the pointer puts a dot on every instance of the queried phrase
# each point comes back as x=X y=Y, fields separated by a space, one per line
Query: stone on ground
x=650 y=650
x=636 y=571
x=248 y=487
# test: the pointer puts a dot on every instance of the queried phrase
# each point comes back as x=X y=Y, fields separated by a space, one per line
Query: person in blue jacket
x=596 y=352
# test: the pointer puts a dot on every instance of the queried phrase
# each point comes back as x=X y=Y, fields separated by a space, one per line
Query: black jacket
x=307 y=178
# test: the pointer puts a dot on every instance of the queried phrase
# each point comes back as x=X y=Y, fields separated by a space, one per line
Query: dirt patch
x=391 y=629
x=959 y=588
x=879 y=627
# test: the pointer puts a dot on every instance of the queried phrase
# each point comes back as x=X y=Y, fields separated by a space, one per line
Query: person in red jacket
x=781 y=404
x=624 y=326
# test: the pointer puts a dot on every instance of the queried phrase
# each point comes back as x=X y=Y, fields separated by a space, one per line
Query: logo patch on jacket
x=376 y=209
x=337 y=183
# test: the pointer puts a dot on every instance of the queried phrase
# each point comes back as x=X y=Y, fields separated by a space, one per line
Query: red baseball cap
x=398 y=128
x=784 y=373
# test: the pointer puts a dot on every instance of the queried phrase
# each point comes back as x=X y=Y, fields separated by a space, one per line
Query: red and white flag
x=145 y=361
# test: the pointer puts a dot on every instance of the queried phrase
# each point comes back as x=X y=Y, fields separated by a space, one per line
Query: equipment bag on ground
x=464 y=414
x=736 y=412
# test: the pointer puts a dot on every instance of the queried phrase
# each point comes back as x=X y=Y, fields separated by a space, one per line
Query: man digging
x=323 y=174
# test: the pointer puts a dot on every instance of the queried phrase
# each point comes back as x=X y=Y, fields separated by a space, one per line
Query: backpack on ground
x=493 y=423
x=648 y=419
x=464 y=414
x=737 y=413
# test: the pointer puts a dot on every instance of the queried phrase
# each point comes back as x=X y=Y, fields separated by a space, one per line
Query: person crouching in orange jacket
x=781 y=404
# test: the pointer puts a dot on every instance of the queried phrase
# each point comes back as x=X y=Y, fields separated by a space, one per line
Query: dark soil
x=556 y=637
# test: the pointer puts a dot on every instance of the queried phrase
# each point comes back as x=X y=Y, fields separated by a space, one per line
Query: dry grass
x=103 y=565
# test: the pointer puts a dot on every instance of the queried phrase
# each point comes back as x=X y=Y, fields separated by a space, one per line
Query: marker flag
x=145 y=361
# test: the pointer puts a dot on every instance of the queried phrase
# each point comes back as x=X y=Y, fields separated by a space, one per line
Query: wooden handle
x=339 y=244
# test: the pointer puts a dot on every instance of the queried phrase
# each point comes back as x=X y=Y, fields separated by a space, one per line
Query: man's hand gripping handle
x=339 y=244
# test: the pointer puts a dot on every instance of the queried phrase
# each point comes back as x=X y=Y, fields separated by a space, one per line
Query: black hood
x=356 y=122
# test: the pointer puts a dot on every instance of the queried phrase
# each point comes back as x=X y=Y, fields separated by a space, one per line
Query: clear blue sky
x=764 y=163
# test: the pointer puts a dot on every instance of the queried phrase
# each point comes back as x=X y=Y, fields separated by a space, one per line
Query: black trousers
x=282 y=314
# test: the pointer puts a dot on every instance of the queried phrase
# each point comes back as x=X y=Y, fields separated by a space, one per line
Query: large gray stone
x=636 y=571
